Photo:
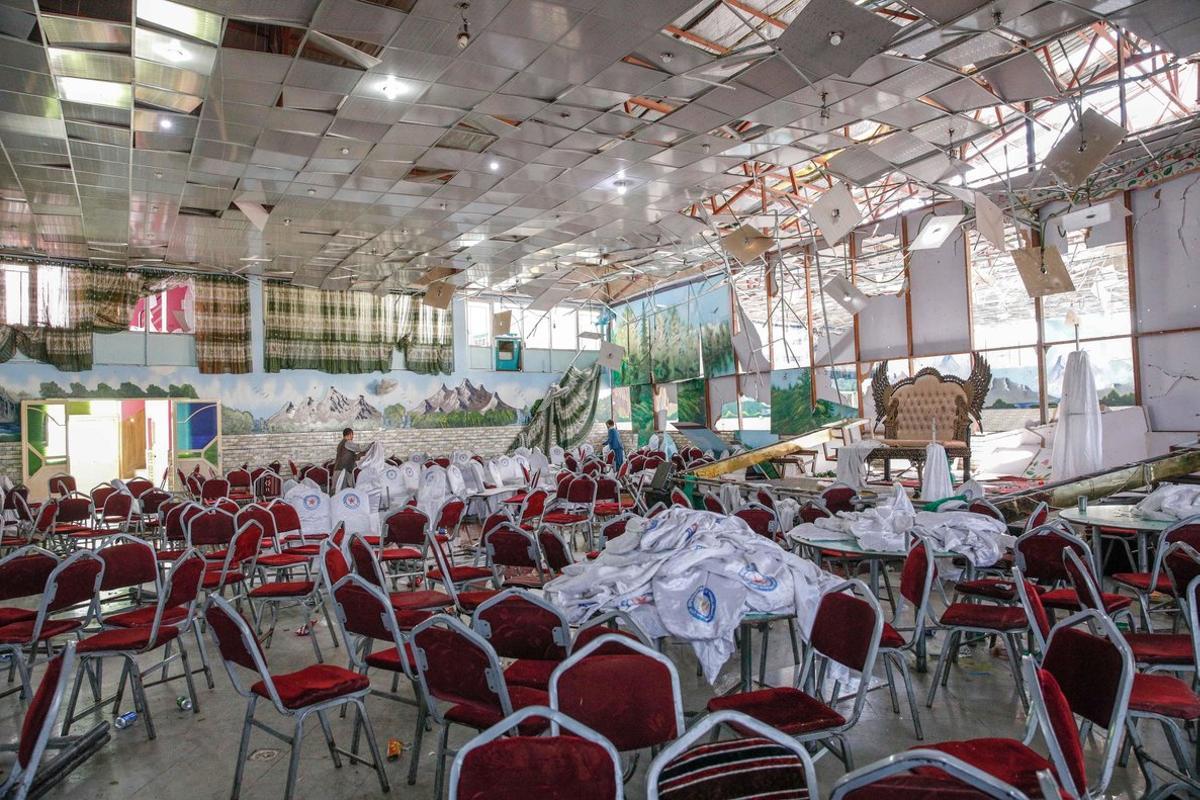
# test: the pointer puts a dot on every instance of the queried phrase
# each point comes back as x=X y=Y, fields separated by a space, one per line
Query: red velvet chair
x=847 y=631
x=1085 y=674
x=500 y=766
x=115 y=514
x=210 y=531
x=304 y=593
x=273 y=556
x=73 y=523
x=575 y=508
x=23 y=573
x=172 y=617
x=839 y=497
x=362 y=556
x=129 y=563
x=925 y=774
x=1144 y=584
x=508 y=548
x=239 y=484
x=173 y=532
x=916 y=583
x=647 y=709
x=364 y=612
x=313 y=690
x=463 y=584
x=74 y=581
x=213 y=490
x=462 y=683
x=680 y=498
x=531 y=631
x=22 y=779
x=765 y=762
x=761 y=519
x=608 y=498
x=404 y=541
x=712 y=503
x=555 y=550
x=1087 y=589
x=1039 y=554
x=62 y=484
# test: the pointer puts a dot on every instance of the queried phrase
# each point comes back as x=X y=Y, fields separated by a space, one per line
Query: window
x=1002 y=312
x=479 y=323
x=832 y=323
x=1100 y=301
x=171 y=310
x=535 y=329
x=46 y=304
x=16 y=294
x=789 y=316
x=563 y=335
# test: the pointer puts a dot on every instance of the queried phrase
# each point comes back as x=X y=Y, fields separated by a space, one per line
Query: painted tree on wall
x=691 y=401
x=793 y=411
x=641 y=401
x=675 y=345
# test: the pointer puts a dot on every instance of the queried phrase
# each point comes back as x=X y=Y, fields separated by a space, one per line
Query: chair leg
x=139 y=694
x=373 y=745
x=1010 y=644
x=912 y=698
x=762 y=657
x=943 y=667
x=187 y=677
x=891 y=682
x=294 y=761
x=414 y=758
x=74 y=698
x=795 y=639
x=243 y=748
x=203 y=656
x=1175 y=740
x=440 y=775
x=325 y=729
x=328 y=621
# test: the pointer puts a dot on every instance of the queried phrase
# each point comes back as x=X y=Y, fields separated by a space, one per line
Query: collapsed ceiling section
x=596 y=146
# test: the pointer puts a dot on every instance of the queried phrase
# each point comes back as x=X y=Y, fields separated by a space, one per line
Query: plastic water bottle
x=125 y=720
x=184 y=702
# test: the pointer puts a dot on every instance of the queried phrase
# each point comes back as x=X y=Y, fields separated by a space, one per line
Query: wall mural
x=793 y=410
x=300 y=400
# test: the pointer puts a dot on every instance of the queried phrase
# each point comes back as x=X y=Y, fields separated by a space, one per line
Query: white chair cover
x=652 y=444
x=392 y=484
x=935 y=480
x=434 y=490
x=454 y=478
x=586 y=450
x=353 y=507
x=556 y=455
x=1079 y=433
x=510 y=471
x=312 y=506
x=410 y=473
x=492 y=473
x=460 y=458
x=538 y=461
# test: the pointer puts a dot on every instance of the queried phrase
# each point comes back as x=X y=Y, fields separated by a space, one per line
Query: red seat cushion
x=314 y=684
x=563 y=518
x=593 y=555
x=519 y=497
x=979 y=615
x=991 y=588
x=479 y=717
x=389 y=659
x=304 y=550
x=1161 y=648
x=281 y=560
x=533 y=672
x=212 y=579
x=472 y=600
x=462 y=574
x=168 y=555
x=1007 y=759
x=418 y=601
x=21 y=632
x=401 y=554
x=73 y=529
x=790 y=710
x=283 y=589
x=10 y=615
x=125 y=639
x=891 y=637
x=1165 y=695
x=1141 y=581
x=1067 y=600
x=610 y=508
x=144 y=616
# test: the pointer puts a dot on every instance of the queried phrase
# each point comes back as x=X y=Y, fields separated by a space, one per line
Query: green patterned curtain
x=53 y=322
x=429 y=345
x=113 y=295
x=222 y=324
x=337 y=332
x=565 y=415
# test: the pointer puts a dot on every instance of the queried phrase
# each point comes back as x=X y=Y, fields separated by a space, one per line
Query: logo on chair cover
x=391 y=474
x=311 y=501
x=756 y=580
x=703 y=604
x=351 y=501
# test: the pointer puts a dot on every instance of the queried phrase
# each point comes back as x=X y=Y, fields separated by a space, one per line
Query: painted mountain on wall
x=333 y=410
x=465 y=405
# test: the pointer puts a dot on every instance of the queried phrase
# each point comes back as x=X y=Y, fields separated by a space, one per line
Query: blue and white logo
x=703 y=604
x=351 y=501
x=756 y=580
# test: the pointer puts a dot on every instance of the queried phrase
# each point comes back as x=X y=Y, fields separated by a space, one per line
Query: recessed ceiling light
x=622 y=187
x=836 y=38
x=165 y=124
x=345 y=151
x=391 y=88
x=312 y=191
x=493 y=165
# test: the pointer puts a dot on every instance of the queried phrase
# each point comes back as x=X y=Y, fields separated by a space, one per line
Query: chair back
x=1186 y=531
x=318 y=475
x=25 y=572
x=609 y=623
x=1039 y=517
x=176 y=517
x=648 y=709
x=582 y=766
x=764 y=498
x=986 y=509
x=607 y=489
x=761 y=519
x=214 y=489
x=534 y=506
x=46 y=519
x=138 y=486
x=333 y=564
x=614 y=527
x=75 y=509
x=680 y=498
x=1092 y=669
x=456 y=665
x=928 y=775
x=813 y=510
x=117 y=509
x=62 y=484
x=450 y=516
x=1035 y=611
x=519 y=624
x=1083 y=580
x=287 y=519
x=365 y=562
x=509 y=546
x=581 y=491
x=38 y=723
x=554 y=549
x=840 y=497
x=363 y=610
x=1039 y=553
x=1181 y=562
x=152 y=500
x=407 y=527
x=181 y=589
x=75 y=581
x=238 y=645
x=257 y=513
x=712 y=503
x=211 y=527
x=847 y=629
x=129 y=562
x=239 y=479
x=761 y=762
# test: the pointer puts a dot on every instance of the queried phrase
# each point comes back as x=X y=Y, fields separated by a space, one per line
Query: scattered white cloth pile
x=787 y=509
x=851 y=458
x=935 y=478
x=885 y=528
x=731 y=497
x=693 y=575
x=1170 y=502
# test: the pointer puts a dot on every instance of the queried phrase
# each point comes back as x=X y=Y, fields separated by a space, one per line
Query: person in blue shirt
x=613 y=442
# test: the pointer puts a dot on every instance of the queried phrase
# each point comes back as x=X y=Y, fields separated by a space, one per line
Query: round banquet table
x=1116 y=516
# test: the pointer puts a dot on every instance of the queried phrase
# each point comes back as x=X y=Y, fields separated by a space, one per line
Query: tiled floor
x=193 y=756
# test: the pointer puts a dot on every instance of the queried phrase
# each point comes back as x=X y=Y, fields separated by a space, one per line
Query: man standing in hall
x=613 y=442
x=344 y=461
